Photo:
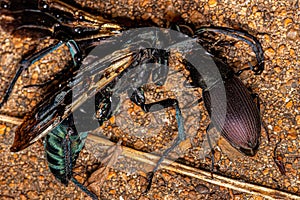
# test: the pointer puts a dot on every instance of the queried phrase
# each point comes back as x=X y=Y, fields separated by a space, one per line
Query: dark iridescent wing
x=57 y=106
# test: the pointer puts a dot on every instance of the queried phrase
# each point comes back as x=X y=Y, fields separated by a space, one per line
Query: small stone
x=281 y=49
x=186 y=144
x=112 y=120
x=144 y=3
x=277 y=69
x=132 y=183
x=265 y=171
x=139 y=144
x=212 y=3
x=288 y=166
x=111 y=175
x=292 y=134
x=287 y=22
x=166 y=176
x=292 y=34
x=202 y=189
x=292 y=53
x=184 y=193
x=270 y=53
x=146 y=16
x=32 y=195
x=258 y=198
x=277 y=129
x=33 y=159
x=298 y=120
x=22 y=197
x=112 y=192
x=2 y=129
x=267 y=39
x=289 y=105
x=252 y=25
x=197 y=17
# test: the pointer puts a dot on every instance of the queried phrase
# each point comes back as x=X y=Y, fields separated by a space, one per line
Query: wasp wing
x=56 y=106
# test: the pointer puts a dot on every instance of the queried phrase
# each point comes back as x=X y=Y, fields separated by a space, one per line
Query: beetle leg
x=278 y=159
x=241 y=35
x=212 y=150
x=193 y=104
x=238 y=73
x=255 y=96
x=139 y=99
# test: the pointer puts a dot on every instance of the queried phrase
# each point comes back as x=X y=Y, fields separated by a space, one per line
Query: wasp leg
x=139 y=99
x=160 y=73
x=27 y=62
x=84 y=189
x=105 y=104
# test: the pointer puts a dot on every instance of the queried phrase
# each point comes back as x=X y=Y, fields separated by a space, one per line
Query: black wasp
x=98 y=75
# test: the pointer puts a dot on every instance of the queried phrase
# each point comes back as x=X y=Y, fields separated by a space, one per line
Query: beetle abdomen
x=242 y=124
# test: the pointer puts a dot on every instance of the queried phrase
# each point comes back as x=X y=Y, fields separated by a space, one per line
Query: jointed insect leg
x=27 y=62
x=212 y=151
x=243 y=36
x=84 y=189
x=138 y=98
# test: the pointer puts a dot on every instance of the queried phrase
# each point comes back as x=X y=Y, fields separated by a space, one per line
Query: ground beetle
x=241 y=126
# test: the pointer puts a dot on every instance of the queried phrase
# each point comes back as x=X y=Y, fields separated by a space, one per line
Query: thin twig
x=219 y=180
x=151 y=159
x=11 y=120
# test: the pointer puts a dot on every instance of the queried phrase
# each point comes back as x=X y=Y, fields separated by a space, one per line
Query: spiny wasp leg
x=139 y=99
x=27 y=62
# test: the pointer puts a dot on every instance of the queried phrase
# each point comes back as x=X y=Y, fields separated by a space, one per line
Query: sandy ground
x=25 y=175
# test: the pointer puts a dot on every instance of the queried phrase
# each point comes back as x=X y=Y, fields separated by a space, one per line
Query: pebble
x=2 y=129
x=298 y=120
x=212 y=3
x=289 y=105
x=202 y=189
x=292 y=34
